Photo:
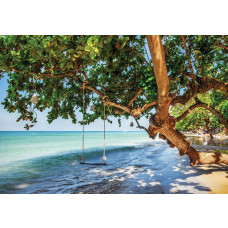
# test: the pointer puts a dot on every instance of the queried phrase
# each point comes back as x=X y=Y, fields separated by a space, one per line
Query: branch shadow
x=168 y=174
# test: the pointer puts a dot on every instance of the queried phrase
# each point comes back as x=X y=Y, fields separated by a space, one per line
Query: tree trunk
x=209 y=130
x=159 y=64
x=162 y=122
x=175 y=138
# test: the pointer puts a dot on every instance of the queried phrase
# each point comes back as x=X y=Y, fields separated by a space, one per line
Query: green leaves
x=197 y=52
x=124 y=40
x=53 y=67
x=90 y=41
x=87 y=48
x=198 y=117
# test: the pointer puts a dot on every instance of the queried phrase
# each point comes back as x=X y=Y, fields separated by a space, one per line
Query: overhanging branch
x=203 y=86
x=137 y=111
x=134 y=98
x=200 y=104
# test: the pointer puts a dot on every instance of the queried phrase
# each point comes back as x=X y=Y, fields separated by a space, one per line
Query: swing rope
x=104 y=158
x=83 y=125
x=83 y=128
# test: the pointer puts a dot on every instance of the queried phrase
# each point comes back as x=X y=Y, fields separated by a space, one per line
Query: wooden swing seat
x=88 y=163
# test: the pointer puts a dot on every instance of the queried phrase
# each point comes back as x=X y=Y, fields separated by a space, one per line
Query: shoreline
x=202 y=179
x=145 y=167
x=209 y=148
x=173 y=176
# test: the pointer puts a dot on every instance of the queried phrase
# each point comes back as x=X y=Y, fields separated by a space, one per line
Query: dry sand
x=216 y=181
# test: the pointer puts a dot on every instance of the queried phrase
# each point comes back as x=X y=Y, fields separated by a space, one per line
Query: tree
x=202 y=113
x=116 y=71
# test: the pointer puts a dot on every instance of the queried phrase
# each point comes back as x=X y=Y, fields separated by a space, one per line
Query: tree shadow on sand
x=171 y=174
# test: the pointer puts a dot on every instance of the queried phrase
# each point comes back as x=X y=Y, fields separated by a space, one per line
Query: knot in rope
x=105 y=99
x=84 y=84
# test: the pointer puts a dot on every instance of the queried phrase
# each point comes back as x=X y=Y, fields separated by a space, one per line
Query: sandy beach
x=204 y=179
x=217 y=181
x=175 y=177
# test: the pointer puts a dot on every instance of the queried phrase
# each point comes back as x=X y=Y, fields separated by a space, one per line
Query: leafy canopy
x=200 y=117
x=55 y=68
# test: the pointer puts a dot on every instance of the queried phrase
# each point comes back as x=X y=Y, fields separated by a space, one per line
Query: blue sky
x=8 y=120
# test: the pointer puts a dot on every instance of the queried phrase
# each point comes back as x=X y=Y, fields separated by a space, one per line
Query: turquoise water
x=19 y=146
x=48 y=162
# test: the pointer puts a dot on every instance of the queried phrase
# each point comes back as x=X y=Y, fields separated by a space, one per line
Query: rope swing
x=104 y=158
x=83 y=130
x=83 y=125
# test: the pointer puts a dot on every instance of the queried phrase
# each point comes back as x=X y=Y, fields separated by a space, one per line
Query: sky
x=8 y=120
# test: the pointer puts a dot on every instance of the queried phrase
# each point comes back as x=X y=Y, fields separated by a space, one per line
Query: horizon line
x=66 y=131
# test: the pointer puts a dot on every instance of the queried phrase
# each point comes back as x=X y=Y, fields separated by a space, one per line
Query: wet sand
x=162 y=171
x=178 y=177
x=136 y=167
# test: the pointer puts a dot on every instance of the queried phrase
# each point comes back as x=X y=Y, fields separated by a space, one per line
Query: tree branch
x=141 y=127
x=201 y=104
x=79 y=71
x=106 y=100
x=137 y=111
x=188 y=111
x=189 y=60
x=211 y=158
x=204 y=85
x=222 y=46
x=134 y=98
x=91 y=88
x=139 y=53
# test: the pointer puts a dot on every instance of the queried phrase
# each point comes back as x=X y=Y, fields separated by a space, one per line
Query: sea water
x=49 y=162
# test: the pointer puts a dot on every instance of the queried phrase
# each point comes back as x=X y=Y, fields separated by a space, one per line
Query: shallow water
x=207 y=141
x=49 y=162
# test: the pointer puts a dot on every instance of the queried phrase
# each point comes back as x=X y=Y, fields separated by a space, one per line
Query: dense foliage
x=113 y=67
x=200 y=118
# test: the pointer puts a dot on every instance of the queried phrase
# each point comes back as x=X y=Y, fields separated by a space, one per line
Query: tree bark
x=208 y=129
x=162 y=122
x=161 y=75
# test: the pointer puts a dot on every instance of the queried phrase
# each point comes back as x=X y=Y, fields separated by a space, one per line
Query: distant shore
x=218 y=143
x=216 y=136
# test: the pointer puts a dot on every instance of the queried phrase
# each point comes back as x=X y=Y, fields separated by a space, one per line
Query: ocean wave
x=60 y=158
